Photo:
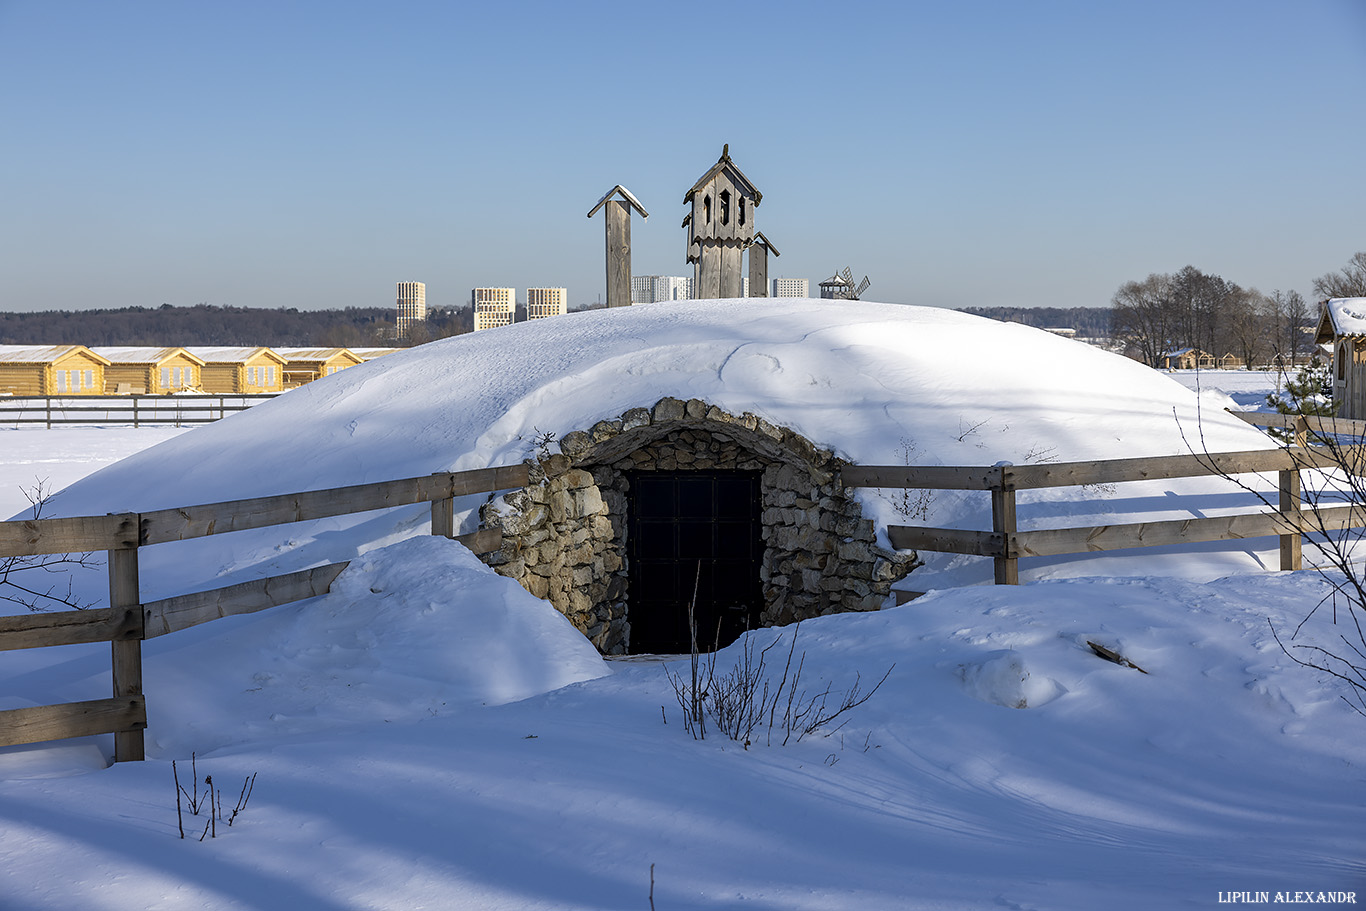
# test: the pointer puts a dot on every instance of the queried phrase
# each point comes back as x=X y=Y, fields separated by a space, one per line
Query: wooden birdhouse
x=720 y=227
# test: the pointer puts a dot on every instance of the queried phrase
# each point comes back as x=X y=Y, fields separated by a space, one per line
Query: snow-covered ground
x=428 y=735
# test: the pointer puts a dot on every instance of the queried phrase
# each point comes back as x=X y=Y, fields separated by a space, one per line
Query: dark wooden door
x=692 y=531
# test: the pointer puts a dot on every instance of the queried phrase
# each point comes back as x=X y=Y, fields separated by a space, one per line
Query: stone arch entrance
x=566 y=536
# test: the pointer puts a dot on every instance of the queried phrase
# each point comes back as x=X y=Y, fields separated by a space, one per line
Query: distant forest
x=1090 y=322
x=206 y=324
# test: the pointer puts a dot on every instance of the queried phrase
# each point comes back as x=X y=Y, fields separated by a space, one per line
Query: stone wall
x=564 y=536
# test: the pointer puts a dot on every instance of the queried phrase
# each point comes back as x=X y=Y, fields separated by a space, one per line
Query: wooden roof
x=126 y=354
x=228 y=355
x=626 y=194
x=741 y=182
x=306 y=355
x=45 y=354
x=759 y=238
x=1341 y=317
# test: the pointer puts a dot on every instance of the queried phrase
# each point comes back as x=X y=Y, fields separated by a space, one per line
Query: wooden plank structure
x=128 y=621
x=34 y=370
x=1006 y=543
x=155 y=370
x=1342 y=325
x=619 y=242
x=137 y=410
x=758 y=264
x=240 y=370
x=720 y=227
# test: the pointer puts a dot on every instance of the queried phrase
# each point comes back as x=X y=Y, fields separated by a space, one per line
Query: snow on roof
x=1348 y=315
x=310 y=354
x=36 y=354
x=868 y=381
x=366 y=354
x=128 y=354
x=227 y=354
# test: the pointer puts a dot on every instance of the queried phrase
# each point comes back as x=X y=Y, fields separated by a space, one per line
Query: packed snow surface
x=428 y=735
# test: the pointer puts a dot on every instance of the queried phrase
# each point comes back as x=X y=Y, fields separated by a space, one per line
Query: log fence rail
x=128 y=621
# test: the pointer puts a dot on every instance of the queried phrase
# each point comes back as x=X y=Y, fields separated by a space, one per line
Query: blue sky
x=974 y=153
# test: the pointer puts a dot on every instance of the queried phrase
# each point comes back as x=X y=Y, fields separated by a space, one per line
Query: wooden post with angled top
x=1003 y=523
x=619 y=242
x=758 y=264
x=126 y=653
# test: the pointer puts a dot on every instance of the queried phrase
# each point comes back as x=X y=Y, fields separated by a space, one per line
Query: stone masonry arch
x=564 y=535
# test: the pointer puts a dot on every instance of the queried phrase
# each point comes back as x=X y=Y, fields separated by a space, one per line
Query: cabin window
x=90 y=379
x=61 y=381
x=725 y=207
x=1342 y=362
x=742 y=211
x=75 y=381
x=270 y=375
x=706 y=209
x=251 y=377
x=165 y=377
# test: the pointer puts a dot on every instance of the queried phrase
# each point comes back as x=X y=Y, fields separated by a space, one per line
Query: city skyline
x=987 y=155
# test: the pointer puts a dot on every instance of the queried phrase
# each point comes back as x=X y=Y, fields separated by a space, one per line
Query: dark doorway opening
x=686 y=531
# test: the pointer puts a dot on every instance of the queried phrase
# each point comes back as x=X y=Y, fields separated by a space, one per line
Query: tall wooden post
x=758 y=265
x=126 y=654
x=619 y=242
x=1003 y=522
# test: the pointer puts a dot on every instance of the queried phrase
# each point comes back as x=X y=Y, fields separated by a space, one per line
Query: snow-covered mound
x=859 y=378
x=874 y=383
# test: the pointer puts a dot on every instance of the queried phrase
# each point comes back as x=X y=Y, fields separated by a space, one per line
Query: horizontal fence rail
x=128 y=621
x=137 y=410
x=1006 y=543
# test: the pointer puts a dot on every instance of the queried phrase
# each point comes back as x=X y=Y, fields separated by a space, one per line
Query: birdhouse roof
x=626 y=194
x=739 y=179
x=759 y=238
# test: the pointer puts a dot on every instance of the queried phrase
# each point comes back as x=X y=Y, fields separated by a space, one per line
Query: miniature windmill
x=720 y=227
x=619 y=242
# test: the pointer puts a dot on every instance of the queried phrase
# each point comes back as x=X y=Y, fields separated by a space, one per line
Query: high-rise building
x=791 y=287
x=412 y=305
x=543 y=302
x=493 y=307
x=649 y=289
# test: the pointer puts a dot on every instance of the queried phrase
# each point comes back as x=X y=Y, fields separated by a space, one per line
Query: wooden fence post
x=443 y=512
x=126 y=654
x=1003 y=523
x=1289 y=505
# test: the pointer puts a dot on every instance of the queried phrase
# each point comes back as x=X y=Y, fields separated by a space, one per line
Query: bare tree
x=1291 y=315
x=1350 y=281
x=1145 y=317
x=1251 y=324
x=21 y=578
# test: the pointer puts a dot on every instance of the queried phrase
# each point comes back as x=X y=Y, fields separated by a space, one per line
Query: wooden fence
x=137 y=410
x=1006 y=543
x=128 y=621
